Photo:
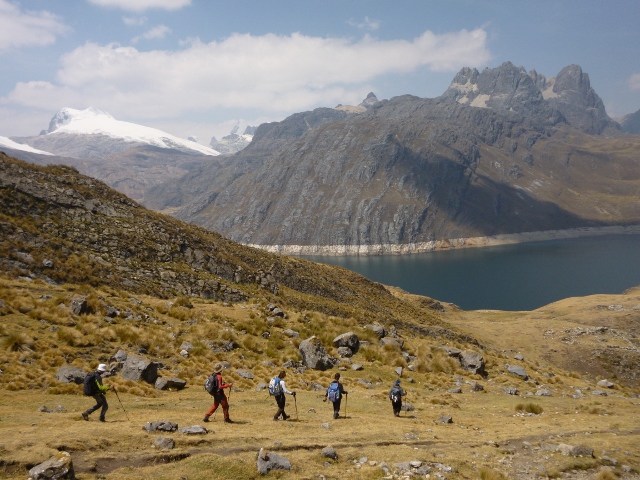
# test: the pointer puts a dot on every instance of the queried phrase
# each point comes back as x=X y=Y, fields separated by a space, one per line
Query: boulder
x=349 y=340
x=445 y=419
x=291 y=333
x=69 y=374
x=245 y=374
x=518 y=371
x=475 y=386
x=193 y=430
x=391 y=341
x=314 y=355
x=345 y=352
x=120 y=356
x=605 y=384
x=161 y=425
x=165 y=443
x=137 y=368
x=58 y=466
x=356 y=366
x=455 y=390
x=268 y=461
x=519 y=356
x=186 y=346
x=398 y=371
x=407 y=407
x=163 y=383
x=378 y=329
x=452 y=352
x=543 y=392
x=510 y=390
x=472 y=362
x=329 y=452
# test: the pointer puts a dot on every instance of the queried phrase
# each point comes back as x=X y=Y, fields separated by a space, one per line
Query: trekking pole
x=346 y=401
x=118 y=397
x=295 y=402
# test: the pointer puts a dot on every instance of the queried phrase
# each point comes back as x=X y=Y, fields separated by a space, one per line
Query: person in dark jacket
x=100 y=398
x=337 y=398
x=219 y=398
x=280 y=398
x=395 y=394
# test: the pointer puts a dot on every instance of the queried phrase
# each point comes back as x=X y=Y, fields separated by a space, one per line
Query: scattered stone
x=610 y=461
x=575 y=451
x=475 y=386
x=543 y=392
x=365 y=382
x=599 y=392
x=68 y=374
x=415 y=463
x=57 y=409
x=186 y=346
x=455 y=390
x=356 y=366
x=271 y=461
x=165 y=443
x=184 y=354
x=316 y=387
x=510 y=390
x=268 y=363
x=519 y=356
x=398 y=371
x=391 y=341
x=137 y=368
x=163 y=383
x=311 y=410
x=46 y=263
x=291 y=333
x=329 y=452
x=162 y=425
x=472 y=362
x=518 y=371
x=79 y=305
x=58 y=466
x=445 y=419
x=193 y=430
x=605 y=384
x=245 y=374
x=262 y=386
x=325 y=425
x=407 y=407
x=363 y=460
x=378 y=329
x=314 y=355
x=121 y=357
x=349 y=340
x=411 y=436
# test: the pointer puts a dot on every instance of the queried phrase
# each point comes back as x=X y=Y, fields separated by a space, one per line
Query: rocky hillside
x=631 y=123
x=501 y=151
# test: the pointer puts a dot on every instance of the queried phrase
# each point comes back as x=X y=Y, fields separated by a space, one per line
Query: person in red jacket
x=218 y=396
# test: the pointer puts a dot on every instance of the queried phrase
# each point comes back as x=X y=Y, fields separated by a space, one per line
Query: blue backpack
x=274 y=386
x=333 y=392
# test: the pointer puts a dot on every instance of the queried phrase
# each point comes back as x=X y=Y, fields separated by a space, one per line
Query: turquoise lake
x=510 y=277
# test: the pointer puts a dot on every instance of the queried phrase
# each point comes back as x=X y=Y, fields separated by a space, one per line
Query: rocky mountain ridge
x=490 y=156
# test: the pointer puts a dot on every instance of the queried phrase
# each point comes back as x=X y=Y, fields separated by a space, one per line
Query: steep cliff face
x=492 y=155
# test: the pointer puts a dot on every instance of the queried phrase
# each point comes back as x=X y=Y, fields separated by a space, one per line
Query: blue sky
x=198 y=67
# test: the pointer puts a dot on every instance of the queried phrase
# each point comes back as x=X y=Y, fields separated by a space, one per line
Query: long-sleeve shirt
x=340 y=389
x=102 y=388
x=284 y=387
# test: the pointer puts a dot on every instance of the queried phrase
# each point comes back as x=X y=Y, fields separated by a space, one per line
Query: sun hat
x=102 y=367
x=217 y=368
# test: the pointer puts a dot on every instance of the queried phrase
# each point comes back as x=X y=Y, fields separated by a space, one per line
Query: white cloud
x=141 y=5
x=368 y=24
x=271 y=73
x=26 y=28
x=634 y=81
x=134 y=21
x=159 y=31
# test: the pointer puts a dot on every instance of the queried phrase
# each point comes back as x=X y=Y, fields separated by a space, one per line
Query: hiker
x=334 y=394
x=93 y=388
x=395 y=394
x=214 y=385
x=278 y=388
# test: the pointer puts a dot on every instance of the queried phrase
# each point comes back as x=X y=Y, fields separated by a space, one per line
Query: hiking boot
x=102 y=419
x=336 y=415
x=228 y=420
x=206 y=418
x=286 y=417
x=85 y=415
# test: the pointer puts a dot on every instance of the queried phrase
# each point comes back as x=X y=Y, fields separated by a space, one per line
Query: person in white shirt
x=280 y=398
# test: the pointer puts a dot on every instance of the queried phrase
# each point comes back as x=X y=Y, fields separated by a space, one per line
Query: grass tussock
x=529 y=407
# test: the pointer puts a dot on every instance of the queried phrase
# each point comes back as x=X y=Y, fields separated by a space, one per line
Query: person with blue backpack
x=334 y=394
x=278 y=388
x=93 y=388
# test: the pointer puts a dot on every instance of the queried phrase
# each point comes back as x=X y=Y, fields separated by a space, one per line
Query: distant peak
x=66 y=115
x=370 y=100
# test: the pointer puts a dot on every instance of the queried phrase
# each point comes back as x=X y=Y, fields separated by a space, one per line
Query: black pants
x=101 y=401
x=396 y=407
x=282 y=402
x=336 y=407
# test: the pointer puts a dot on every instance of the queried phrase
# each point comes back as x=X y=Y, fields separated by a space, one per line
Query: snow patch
x=481 y=101
x=8 y=143
x=92 y=121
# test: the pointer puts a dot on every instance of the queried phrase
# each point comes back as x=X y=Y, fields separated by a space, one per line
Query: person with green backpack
x=334 y=394
x=93 y=388
x=278 y=388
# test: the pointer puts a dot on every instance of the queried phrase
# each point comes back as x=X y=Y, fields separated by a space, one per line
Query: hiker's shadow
x=242 y=422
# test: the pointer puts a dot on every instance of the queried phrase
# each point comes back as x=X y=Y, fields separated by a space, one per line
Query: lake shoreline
x=450 y=244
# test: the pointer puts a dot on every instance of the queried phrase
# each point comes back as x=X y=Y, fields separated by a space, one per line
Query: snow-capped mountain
x=8 y=143
x=92 y=133
x=92 y=121
x=233 y=142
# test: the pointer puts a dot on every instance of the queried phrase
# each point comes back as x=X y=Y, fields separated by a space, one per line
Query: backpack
x=211 y=384
x=274 y=386
x=90 y=387
x=395 y=394
x=333 y=392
